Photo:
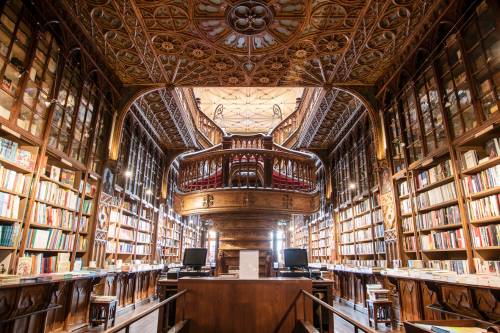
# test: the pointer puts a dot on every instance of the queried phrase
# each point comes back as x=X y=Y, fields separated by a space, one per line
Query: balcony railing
x=247 y=162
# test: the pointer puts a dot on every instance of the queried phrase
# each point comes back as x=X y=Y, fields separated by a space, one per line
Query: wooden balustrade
x=285 y=129
x=209 y=129
x=247 y=168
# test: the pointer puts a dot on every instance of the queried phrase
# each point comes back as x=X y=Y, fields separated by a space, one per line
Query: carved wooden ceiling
x=166 y=119
x=252 y=42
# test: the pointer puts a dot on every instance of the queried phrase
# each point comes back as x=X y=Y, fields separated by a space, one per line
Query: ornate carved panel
x=251 y=43
x=409 y=293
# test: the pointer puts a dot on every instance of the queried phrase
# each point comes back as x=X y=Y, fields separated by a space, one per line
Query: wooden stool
x=102 y=310
x=380 y=311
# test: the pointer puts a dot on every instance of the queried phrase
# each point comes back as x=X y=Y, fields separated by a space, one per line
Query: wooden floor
x=148 y=324
x=341 y=326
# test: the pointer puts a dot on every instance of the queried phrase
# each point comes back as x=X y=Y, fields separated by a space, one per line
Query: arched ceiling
x=247 y=110
x=252 y=42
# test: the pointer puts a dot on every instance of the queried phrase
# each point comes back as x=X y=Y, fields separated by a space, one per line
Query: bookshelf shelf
x=480 y=167
x=488 y=220
x=487 y=248
x=484 y=193
x=13 y=166
x=45 y=226
x=442 y=227
x=444 y=250
x=438 y=206
x=435 y=184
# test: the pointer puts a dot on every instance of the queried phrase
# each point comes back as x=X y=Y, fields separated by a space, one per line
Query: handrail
x=126 y=324
x=357 y=325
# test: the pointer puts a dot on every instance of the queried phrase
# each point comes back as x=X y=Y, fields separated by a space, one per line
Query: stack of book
x=437 y=173
x=9 y=234
x=11 y=151
x=9 y=206
x=485 y=180
x=486 y=207
x=488 y=235
x=471 y=157
x=11 y=180
x=410 y=243
x=52 y=239
x=50 y=216
x=453 y=239
x=437 y=195
x=51 y=192
x=444 y=216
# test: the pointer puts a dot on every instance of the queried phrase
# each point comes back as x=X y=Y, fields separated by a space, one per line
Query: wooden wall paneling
x=431 y=295
x=393 y=287
x=487 y=303
x=56 y=318
x=410 y=300
x=79 y=303
x=459 y=299
x=29 y=299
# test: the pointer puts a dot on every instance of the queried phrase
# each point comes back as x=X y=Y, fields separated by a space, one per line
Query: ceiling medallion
x=249 y=17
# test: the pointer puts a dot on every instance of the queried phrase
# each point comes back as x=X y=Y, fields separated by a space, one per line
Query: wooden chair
x=102 y=310
x=380 y=311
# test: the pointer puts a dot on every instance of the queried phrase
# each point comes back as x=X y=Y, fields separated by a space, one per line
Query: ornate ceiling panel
x=251 y=42
x=248 y=110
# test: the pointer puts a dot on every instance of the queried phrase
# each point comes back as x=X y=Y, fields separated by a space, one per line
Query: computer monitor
x=295 y=258
x=194 y=258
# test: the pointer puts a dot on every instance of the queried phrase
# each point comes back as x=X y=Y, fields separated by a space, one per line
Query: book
x=55 y=173
x=24 y=265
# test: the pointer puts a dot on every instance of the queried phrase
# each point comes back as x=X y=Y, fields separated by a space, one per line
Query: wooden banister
x=125 y=325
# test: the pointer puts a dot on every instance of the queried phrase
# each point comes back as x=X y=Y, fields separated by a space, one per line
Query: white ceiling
x=247 y=110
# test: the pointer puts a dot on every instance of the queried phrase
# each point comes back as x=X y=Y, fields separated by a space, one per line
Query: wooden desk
x=223 y=289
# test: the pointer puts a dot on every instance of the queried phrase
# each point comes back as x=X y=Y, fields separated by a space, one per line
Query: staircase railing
x=161 y=306
x=332 y=313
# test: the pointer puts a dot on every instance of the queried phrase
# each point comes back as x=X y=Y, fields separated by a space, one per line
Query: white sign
x=249 y=264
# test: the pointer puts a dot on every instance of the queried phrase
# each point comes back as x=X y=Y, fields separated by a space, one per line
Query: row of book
x=379 y=230
x=407 y=224
x=40 y=264
x=346 y=226
x=51 y=216
x=9 y=206
x=143 y=237
x=144 y=226
x=405 y=205
x=345 y=214
x=459 y=266
x=347 y=238
x=9 y=234
x=51 y=239
x=437 y=195
x=363 y=235
x=167 y=242
x=379 y=247
x=403 y=188
x=51 y=192
x=125 y=247
x=452 y=239
x=143 y=249
x=436 y=218
x=487 y=266
x=13 y=181
x=362 y=207
x=129 y=221
x=471 y=158
x=377 y=216
x=87 y=206
x=347 y=249
x=488 y=235
x=485 y=180
x=126 y=234
x=19 y=155
x=485 y=207
x=363 y=221
x=409 y=243
x=437 y=173
x=364 y=248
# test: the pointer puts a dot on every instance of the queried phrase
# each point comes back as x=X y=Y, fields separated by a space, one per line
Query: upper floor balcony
x=247 y=173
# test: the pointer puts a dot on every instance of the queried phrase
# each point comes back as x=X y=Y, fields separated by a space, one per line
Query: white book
x=41 y=239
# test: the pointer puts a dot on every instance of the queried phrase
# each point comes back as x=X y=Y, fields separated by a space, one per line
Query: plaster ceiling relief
x=251 y=42
x=247 y=110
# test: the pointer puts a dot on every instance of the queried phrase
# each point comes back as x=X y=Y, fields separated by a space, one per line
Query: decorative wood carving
x=411 y=301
